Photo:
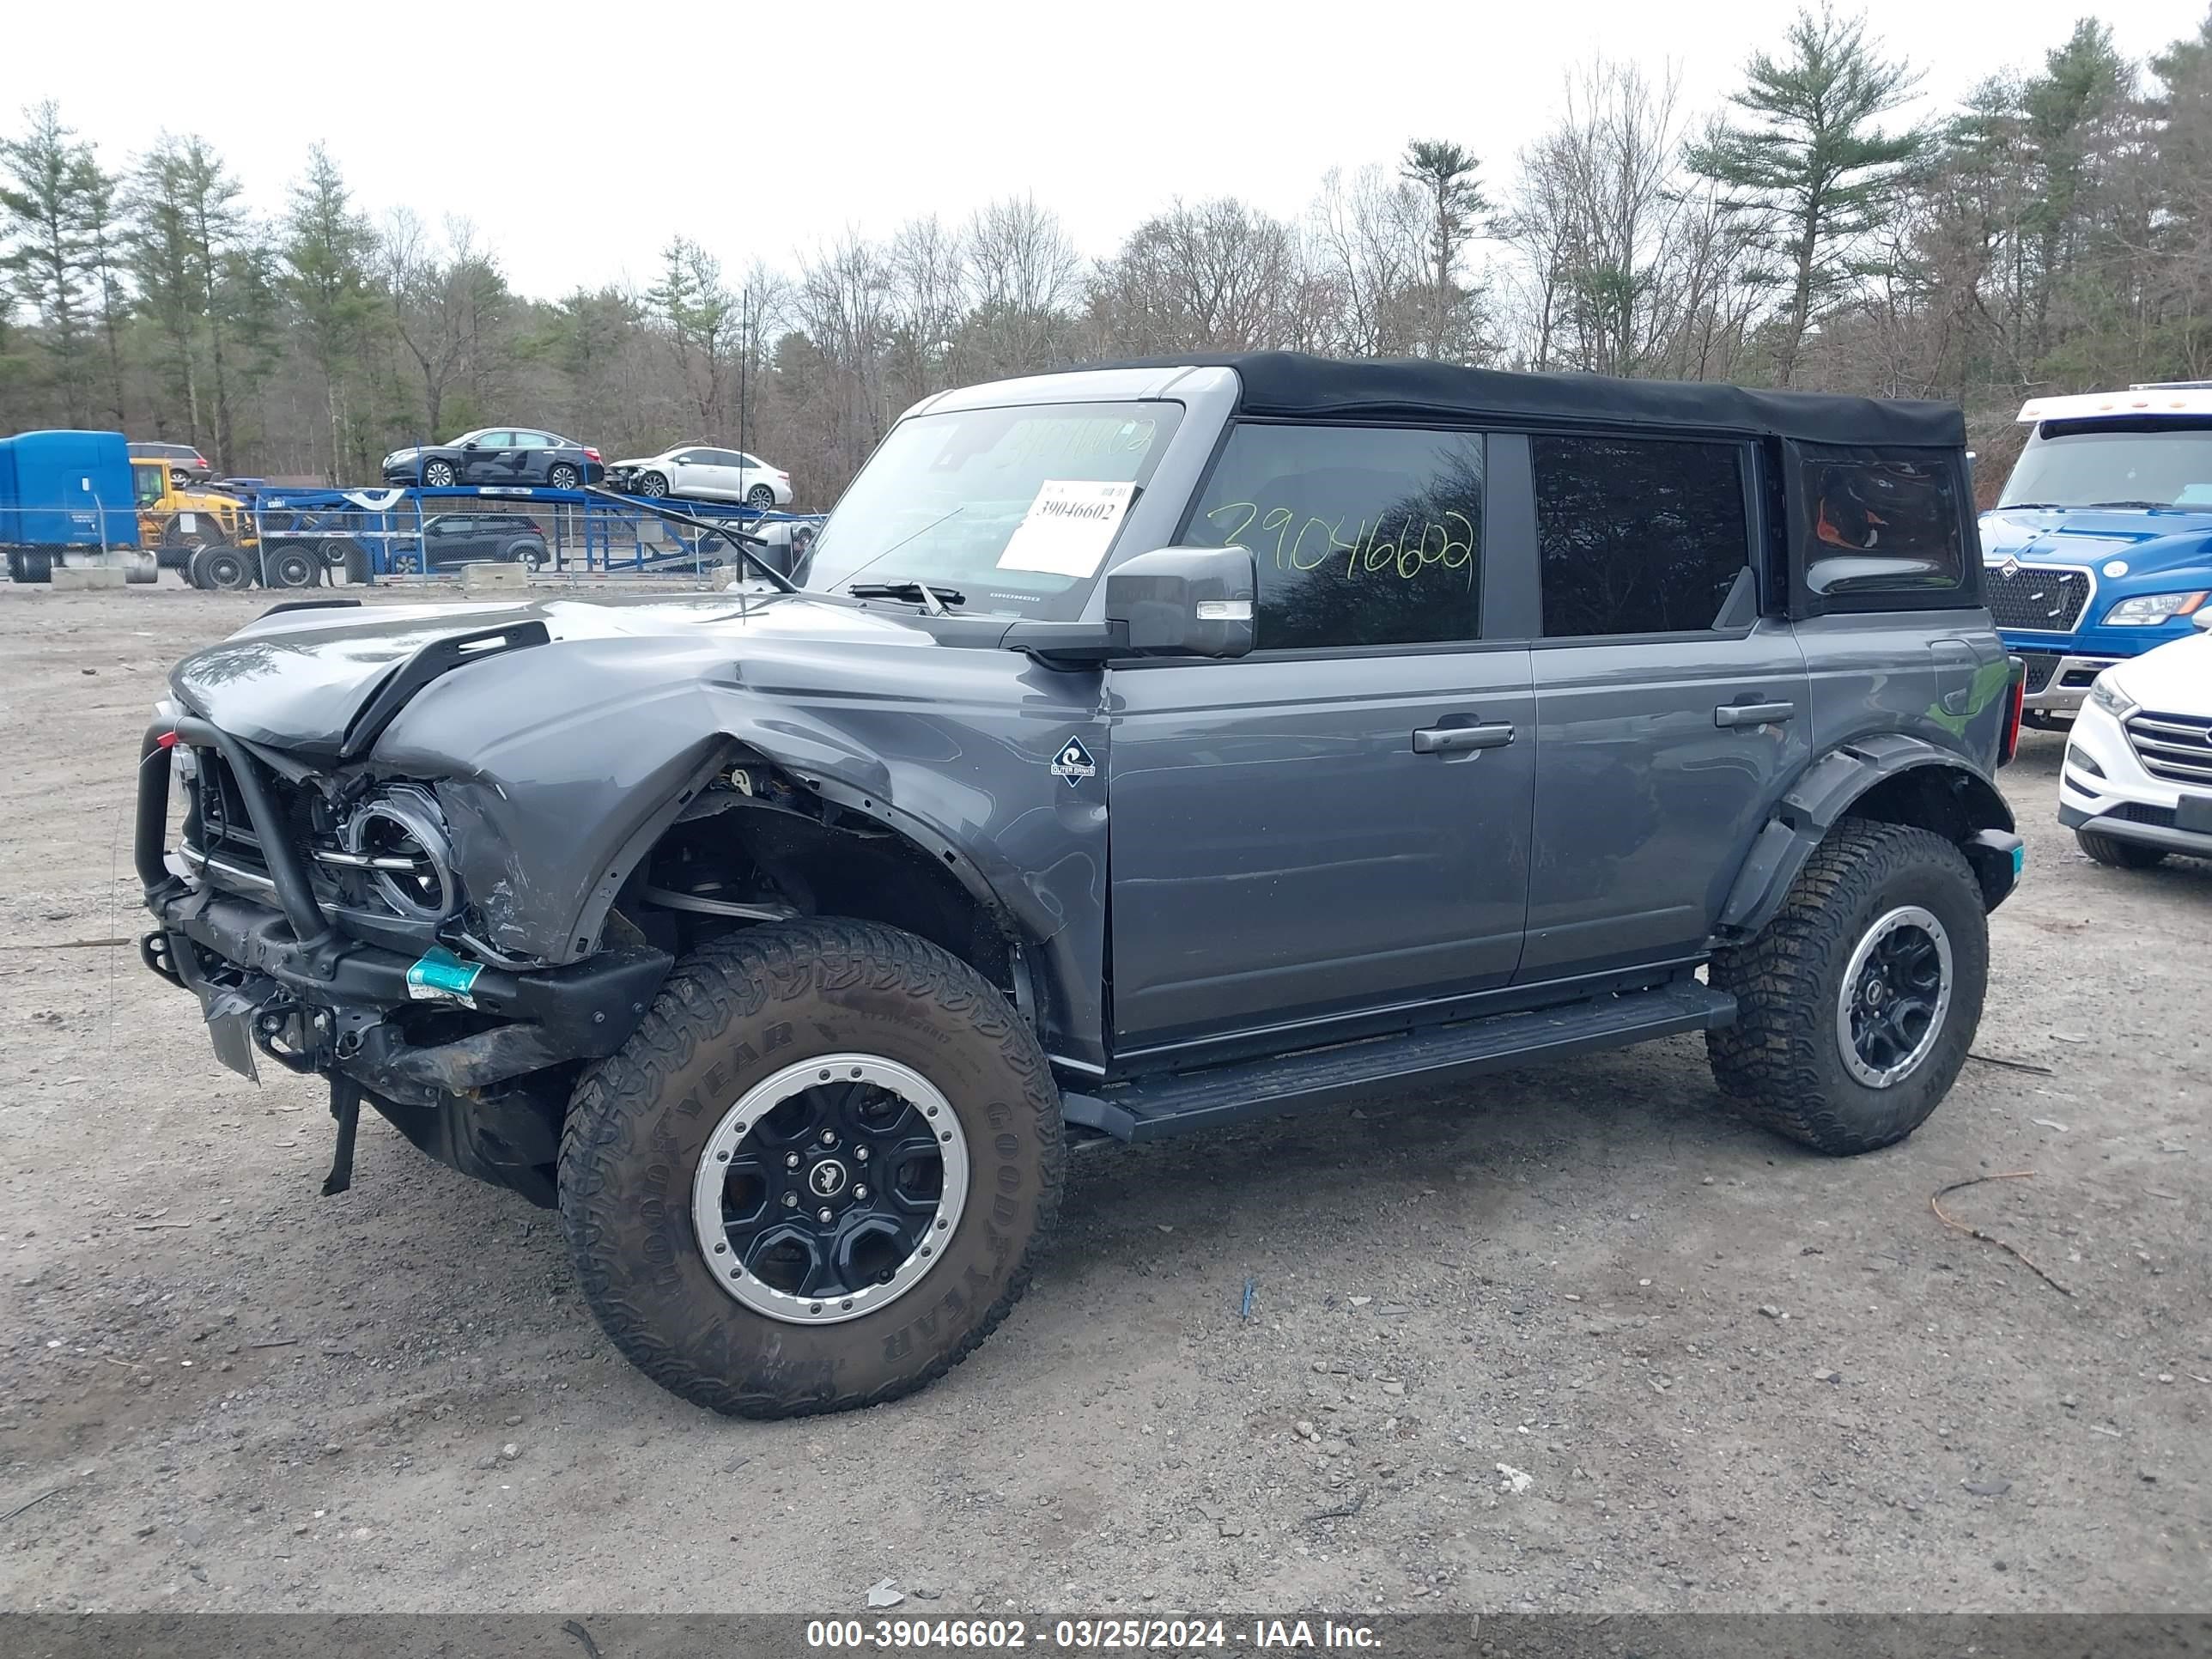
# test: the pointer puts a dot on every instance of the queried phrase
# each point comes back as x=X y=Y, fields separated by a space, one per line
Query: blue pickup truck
x=2100 y=548
x=65 y=495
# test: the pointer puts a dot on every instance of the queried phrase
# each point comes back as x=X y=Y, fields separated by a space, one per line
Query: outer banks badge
x=1074 y=762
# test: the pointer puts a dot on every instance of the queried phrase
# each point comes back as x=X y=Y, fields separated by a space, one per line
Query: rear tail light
x=2015 y=706
x=590 y=455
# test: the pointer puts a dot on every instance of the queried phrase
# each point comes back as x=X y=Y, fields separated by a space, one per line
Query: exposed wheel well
x=767 y=847
x=1948 y=800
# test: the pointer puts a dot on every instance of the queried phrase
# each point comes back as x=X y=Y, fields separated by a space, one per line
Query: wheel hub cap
x=831 y=1189
x=1896 y=991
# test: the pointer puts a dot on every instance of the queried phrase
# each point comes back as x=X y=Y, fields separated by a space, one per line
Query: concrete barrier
x=494 y=578
x=78 y=578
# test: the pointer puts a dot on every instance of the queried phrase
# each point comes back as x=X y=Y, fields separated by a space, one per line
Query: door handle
x=1455 y=739
x=1754 y=714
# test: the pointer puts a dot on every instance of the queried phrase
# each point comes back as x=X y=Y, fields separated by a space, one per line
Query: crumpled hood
x=2146 y=541
x=296 y=679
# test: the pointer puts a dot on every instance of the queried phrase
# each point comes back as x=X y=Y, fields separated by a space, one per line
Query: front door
x=1669 y=714
x=1339 y=824
x=489 y=461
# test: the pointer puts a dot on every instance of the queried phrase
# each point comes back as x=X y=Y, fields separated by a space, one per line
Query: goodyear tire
x=220 y=569
x=1857 y=1002
x=818 y=1173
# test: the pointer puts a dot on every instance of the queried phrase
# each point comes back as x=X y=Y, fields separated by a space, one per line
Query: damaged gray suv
x=1137 y=750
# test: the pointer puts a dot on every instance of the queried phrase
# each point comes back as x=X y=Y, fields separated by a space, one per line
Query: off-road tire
x=1777 y=1066
x=2119 y=854
x=730 y=1014
x=220 y=569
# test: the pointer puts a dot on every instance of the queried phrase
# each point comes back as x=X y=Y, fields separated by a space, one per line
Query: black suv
x=459 y=538
x=1137 y=749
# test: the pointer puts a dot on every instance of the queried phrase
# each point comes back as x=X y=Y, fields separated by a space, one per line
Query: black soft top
x=1294 y=384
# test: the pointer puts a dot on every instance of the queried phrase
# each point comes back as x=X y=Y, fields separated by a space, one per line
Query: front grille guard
x=295 y=893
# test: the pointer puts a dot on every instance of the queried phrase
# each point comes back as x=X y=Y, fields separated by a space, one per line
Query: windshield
x=2170 y=467
x=1015 y=509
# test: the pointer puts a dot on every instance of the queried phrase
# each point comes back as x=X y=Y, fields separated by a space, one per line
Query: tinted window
x=1638 y=535
x=724 y=458
x=449 y=526
x=1883 y=520
x=1363 y=535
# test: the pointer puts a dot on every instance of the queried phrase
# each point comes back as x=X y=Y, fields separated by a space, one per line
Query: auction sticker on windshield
x=1068 y=527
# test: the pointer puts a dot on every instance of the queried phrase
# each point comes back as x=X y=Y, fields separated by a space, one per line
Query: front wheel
x=652 y=486
x=2117 y=854
x=438 y=474
x=1857 y=1004
x=817 y=1174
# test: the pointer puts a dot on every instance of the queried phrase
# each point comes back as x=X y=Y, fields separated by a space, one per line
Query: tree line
x=2052 y=232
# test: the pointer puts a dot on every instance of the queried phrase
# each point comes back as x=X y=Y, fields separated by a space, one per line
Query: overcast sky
x=579 y=138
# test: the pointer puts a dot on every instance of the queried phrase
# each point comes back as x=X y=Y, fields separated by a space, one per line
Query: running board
x=1151 y=1107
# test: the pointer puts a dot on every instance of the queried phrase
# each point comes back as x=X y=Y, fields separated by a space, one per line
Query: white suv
x=2137 y=782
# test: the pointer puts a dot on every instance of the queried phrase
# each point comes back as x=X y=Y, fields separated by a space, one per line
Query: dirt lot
x=1571 y=1340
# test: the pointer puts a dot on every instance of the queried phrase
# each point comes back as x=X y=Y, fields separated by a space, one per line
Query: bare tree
x=448 y=305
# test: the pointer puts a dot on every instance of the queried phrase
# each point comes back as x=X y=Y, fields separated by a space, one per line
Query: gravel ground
x=1572 y=1339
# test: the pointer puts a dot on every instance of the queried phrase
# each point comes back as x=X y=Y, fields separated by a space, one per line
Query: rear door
x=1669 y=711
x=532 y=459
x=1339 y=824
x=446 y=540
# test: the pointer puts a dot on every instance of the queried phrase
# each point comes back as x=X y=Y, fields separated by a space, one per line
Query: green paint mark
x=441 y=976
x=1991 y=681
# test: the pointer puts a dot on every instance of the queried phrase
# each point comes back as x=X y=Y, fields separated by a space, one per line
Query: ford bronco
x=1138 y=749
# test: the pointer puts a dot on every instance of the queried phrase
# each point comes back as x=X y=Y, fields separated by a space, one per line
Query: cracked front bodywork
x=558 y=766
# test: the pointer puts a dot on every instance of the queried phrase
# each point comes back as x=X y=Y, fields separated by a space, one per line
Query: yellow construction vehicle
x=177 y=520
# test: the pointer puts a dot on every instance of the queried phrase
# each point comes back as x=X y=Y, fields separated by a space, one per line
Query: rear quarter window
x=1881 y=521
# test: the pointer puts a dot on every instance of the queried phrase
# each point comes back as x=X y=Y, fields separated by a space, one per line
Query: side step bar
x=1151 y=1107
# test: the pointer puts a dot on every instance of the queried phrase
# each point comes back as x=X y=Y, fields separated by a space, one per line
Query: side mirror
x=2203 y=618
x=472 y=444
x=1185 y=601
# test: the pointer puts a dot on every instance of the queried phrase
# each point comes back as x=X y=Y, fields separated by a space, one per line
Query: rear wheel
x=564 y=475
x=818 y=1173
x=24 y=566
x=1857 y=1004
x=220 y=569
x=761 y=496
x=291 y=564
x=2119 y=854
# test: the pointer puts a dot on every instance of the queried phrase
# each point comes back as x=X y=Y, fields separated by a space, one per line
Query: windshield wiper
x=934 y=600
x=2030 y=507
x=2156 y=504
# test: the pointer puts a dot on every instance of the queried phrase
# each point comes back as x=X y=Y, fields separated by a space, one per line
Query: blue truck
x=2099 y=547
x=67 y=496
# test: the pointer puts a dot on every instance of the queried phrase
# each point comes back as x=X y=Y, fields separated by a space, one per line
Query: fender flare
x=1838 y=781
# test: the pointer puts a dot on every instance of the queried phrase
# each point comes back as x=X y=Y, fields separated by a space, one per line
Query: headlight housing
x=2104 y=693
x=2148 y=610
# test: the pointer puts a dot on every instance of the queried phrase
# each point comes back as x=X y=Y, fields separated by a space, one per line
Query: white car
x=2137 y=780
x=715 y=475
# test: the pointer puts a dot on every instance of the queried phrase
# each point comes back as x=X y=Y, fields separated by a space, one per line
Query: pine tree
x=1811 y=171
x=1444 y=174
x=46 y=264
x=327 y=257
